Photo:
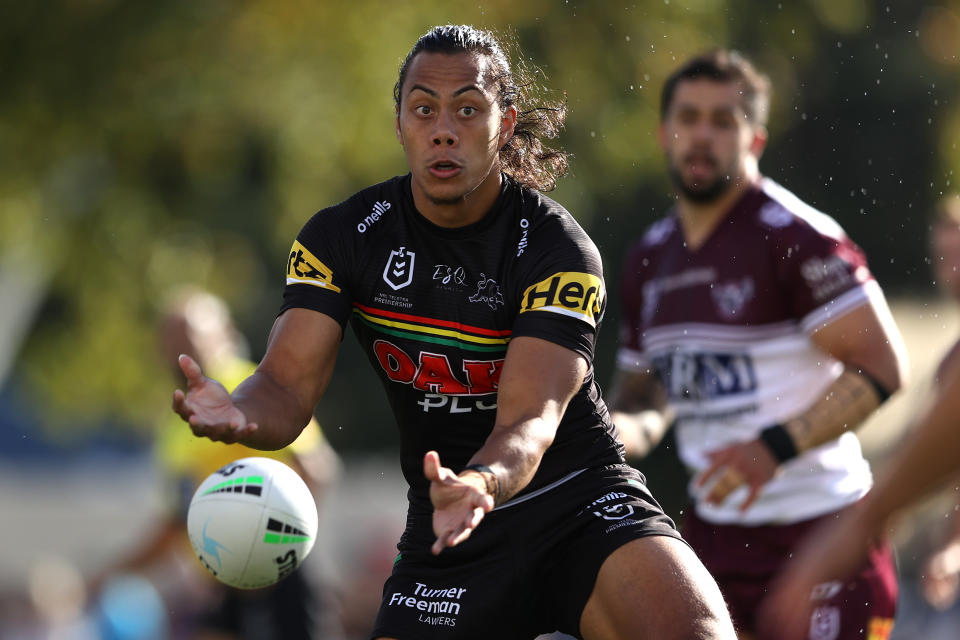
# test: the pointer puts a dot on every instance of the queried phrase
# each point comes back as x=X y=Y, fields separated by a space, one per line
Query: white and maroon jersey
x=727 y=329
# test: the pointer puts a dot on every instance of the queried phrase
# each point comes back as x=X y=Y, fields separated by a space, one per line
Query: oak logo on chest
x=432 y=372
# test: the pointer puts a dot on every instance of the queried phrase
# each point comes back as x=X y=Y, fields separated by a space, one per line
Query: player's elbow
x=900 y=366
x=897 y=373
x=901 y=380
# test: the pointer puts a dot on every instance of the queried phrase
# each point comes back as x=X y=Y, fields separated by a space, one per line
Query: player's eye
x=467 y=110
x=422 y=110
x=724 y=122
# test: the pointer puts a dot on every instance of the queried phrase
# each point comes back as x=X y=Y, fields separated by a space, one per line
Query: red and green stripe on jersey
x=433 y=330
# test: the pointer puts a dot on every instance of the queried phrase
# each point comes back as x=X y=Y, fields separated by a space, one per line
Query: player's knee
x=706 y=609
x=707 y=617
x=699 y=611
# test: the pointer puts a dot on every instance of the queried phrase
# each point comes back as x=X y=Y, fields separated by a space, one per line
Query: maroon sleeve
x=817 y=264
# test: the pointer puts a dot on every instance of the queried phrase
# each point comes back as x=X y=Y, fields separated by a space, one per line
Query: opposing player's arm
x=869 y=344
x=866 y=340
x=269 y=409
x=639 y=409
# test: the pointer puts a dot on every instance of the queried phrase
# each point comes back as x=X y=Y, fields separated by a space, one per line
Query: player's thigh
x=655 y=587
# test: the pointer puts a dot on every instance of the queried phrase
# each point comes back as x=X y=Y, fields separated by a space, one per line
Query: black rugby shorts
x=528 y=569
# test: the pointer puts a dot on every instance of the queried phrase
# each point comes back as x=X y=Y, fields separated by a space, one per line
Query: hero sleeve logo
x=304 y=268
x=569 y=293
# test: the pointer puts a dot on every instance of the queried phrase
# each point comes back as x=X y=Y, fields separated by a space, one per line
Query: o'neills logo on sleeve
x=304 y=268
x=570 y=293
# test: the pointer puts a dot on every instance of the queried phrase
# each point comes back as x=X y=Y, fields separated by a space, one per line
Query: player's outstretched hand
x=207 y=407
x=458 y=505
x=745 y=463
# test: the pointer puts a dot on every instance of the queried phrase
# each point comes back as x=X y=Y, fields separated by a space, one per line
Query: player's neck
x=699 y=219
x=462 y=212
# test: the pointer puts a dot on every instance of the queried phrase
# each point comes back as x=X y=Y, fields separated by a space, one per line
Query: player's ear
x=759 y=142
x=662 y=136
x=508 y=124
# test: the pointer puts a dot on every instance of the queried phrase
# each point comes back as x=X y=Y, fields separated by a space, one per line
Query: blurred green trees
x=147 y=145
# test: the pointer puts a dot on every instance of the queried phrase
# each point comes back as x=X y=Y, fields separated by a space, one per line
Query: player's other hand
x=207 y=406
x=459 y=504
x=747 y=464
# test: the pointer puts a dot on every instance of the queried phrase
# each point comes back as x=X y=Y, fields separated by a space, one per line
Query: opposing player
x=477 y=300
x=752 y=322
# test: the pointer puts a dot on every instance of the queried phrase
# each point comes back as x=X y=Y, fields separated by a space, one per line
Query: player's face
x=946 y=257
x=451 y=127
x=707 y=138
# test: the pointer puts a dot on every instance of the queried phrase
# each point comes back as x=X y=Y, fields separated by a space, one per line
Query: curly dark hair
x=524 y=157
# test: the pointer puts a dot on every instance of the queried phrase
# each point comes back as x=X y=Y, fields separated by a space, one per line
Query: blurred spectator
x=199 y=324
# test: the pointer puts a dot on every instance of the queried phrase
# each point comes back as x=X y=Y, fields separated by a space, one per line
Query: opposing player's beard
x=701 y=192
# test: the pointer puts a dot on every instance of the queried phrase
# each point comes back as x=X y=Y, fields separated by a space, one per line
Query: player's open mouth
x=701 y=165
x=444 y=169
x=700 y=157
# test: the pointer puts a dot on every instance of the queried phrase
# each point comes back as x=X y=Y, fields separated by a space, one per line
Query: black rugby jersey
x=434 y=309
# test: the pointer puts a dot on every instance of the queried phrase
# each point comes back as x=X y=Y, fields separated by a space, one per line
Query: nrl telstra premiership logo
x=399 y=270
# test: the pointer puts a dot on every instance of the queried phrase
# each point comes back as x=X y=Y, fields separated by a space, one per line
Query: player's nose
x=445 y=133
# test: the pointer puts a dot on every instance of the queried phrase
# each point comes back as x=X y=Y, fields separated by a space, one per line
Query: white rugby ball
x=252 y=522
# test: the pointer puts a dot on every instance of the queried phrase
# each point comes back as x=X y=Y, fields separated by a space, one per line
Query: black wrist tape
x=881 y=390
x=482 y=469
x=780 y=443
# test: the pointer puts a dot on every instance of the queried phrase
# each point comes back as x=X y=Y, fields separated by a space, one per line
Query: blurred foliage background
x=146 y=145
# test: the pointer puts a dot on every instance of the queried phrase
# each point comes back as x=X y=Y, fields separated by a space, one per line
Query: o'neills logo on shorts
x=570 y=293
x=304 y=268
x=437 y=607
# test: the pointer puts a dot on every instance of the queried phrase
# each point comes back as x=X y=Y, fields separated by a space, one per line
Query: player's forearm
x=513 y=453
x=640 y=431
x=847 y=402
x=279 y=414
x=640 y=410
x=927 y=457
